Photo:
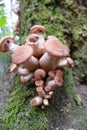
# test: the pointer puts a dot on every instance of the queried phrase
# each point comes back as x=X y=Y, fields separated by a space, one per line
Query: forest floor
x=66 y=120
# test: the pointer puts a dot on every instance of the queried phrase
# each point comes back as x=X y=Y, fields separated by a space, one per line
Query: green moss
x=78 y=115
x=66 y=20
x=19 y=114
x=69 y=89
x=78 y=112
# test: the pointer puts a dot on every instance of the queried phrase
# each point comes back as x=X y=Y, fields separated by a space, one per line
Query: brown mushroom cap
x=2 y=42
x=37 y=28
x=22 y=54
x=58 y=80
x=39 y=83
x=39 y=74
x=55 y=48
x=32 y=38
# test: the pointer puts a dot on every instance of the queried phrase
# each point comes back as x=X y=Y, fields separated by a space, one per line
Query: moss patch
x=19 y=114
x=60 y=20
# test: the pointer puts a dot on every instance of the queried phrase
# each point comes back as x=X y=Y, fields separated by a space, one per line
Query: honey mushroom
x=24 y=55
x=32 y=40
x=18 y=69
x=55 y=51
x=7 y=44
x=39 y=30
x=39 y=61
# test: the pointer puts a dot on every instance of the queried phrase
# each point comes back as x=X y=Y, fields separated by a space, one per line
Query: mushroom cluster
x=39 y=61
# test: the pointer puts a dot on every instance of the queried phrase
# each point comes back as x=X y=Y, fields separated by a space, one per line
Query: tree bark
x=59 y=17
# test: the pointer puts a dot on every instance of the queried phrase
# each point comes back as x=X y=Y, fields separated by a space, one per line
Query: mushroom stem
x=36 y=101
x=39 y=30
x=45 y=102
x=16 y=69
x=22 y=71
x=70 y=62
x=32 y=40
x=48 y=62
x=32 y=63
x=26 y=78
x=39 y=83
x=12 y=47
x=41 y=40
x=49 y=95
x=7 y=44
x=50 y=85
x=63 y=62
x=40 y=91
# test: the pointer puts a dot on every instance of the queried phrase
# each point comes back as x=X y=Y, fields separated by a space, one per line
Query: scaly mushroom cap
x=4 y=41
x=55 y=48
x=37 y=28
x=22 y=54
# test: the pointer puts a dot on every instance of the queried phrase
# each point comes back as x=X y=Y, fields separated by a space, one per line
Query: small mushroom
x=58 y=80
x=50 y=85
x=39 y=30
x=70 y=62
x=7 y=44
x=26 y=78
x=36 y=101
x=23 y=55
x=51 y=74
x=32 y=40
x=63 y=62
x=39 y=83
x=16 y=69
x=40 y=91
x=54 y=51
x=46 y=102
x=39 y=74
x=59 y=72
x=49 y=95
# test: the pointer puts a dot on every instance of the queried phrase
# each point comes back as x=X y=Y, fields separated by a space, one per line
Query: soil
x=65 y=120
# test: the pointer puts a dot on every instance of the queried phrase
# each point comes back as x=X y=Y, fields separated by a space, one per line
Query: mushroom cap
x=22 y=54
x=58 y=80
x=32 y=38
x=55 y=47
x=39 y=83
x=37 y=28
x=39 y=74
x=36 y=101
x=3 y=48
